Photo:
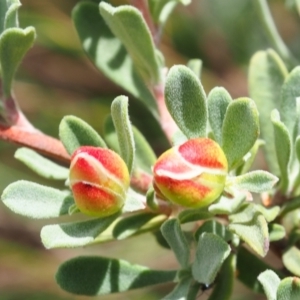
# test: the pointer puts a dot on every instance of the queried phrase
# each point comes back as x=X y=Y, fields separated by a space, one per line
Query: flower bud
x=99 y=179
x=192 y=174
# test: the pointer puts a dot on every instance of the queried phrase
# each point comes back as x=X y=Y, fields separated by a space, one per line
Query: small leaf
x=116 y=64
x=36 y=201
x=195 y=65
x=267 y=73
x=137 y=224
x=127 y=23
x=212 y=226
x=173 y=234
x=270 y=282
x=11 y=15
x=223 y=287
x=78 y=234
x=91 y=276
x=180 y=291
x=151 y=199
x=145 y=157
x=74 y=133
x=256 y=181
x=14 y=43
x=291 y=260
x=289 y=289
x=191 y=215
x=210 y=254
x=276 y=232
x=119 y=113
x=217 y=101
x=227 y=205
x=270 y=214
x=282 y=147
x=240 y=129
x=134 y=201
x=289 y=92
x=186 y=101
x=251 y=226
x=41 y=165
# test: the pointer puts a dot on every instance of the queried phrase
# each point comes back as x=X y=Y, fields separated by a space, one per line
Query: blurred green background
x=56 y=79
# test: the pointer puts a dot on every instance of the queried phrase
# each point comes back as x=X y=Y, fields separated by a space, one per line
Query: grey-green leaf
x=289 y=289
x=92 y=275
x=289 y=92
x=173 y=234
x=127 y=23
x=196 y=66
x=276 y=232
x=256 y=181
x=211 y=252
x=180 y=291
x=267 y=73
x=270 y=282
x=145 y=157
x=217 y=101
x=283 y=146
x=74 y=133
x=116 y=64
x=14 y=43
x=191 y=215
x=11 y=16
x=119 y=113
x=76 y=234
x=240 y=129
x=291 y=260
x=41 y=165
x=222 y=290
x=186 y=101
x=36 y=201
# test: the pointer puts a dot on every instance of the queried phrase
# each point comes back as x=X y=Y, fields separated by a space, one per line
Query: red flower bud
x=193 y=174
x=99 y=179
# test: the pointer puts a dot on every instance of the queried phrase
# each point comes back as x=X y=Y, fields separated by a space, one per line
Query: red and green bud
x=99 y=179
x=192 y=174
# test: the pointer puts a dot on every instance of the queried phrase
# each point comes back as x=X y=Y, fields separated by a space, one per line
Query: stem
x=272 y=32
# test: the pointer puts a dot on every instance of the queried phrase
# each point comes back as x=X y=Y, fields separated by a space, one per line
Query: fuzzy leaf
x=270 y=282
x=14 y=43
x=119 y=113
x=240 y=129
x=186 y=101
x=145 y=157
x=78 y=234
x=11 y=15
x=41 y=165
x=210 y=254
x=92 y=275
x=110 y=135
x=276 y=232
x=136 y=224
x=289 y=289
x=127 y=23
x=180 y=291
x=267 y=73
x=291 y=260
x=212 y=226
x=116 y=64
x=217 y=101
x=134 y=201
x=36 y=201
x=251 y=226
x=224 y=283
x=227 y=205
x=74 y=133
x=173 y=234
x=289 y=92
x=282 y=147
x=195 y=65
x=256 y=181
x=191 y=215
